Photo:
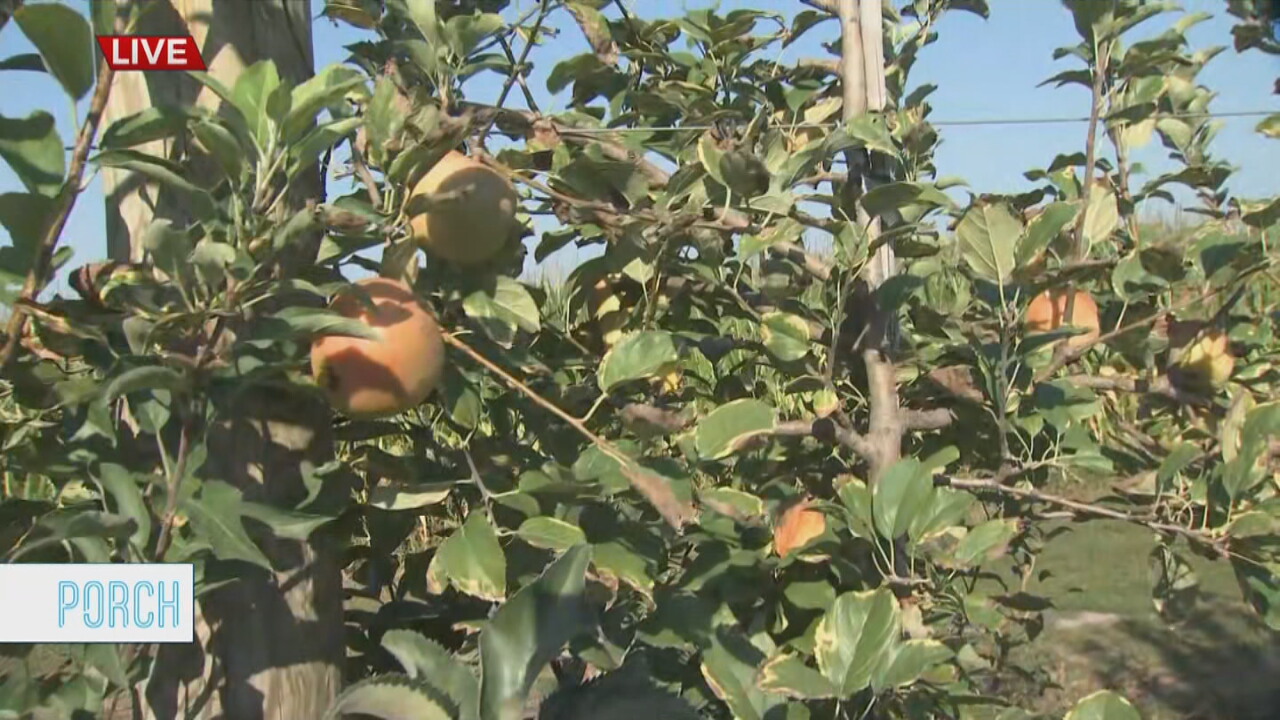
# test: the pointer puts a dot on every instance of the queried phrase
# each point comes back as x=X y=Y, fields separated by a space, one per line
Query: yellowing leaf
x=1104 y=215
x=988 y=237
x=797 y=527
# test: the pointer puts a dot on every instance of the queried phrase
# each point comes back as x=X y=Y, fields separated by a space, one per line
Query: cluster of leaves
x=559 y=552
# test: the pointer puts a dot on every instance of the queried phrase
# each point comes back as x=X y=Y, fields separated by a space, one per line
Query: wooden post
x=231 y=35
x=269 y=645
x=862 y=73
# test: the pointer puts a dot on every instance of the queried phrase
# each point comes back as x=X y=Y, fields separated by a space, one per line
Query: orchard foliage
x=719 y=512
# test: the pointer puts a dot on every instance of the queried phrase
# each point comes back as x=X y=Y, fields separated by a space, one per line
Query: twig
x=524 y=18
x=1160 y=386
x=362 y=171
x=1123 y=191
x=1090 y=155
x=824 y=5
x=66 y=201
x=518 y=71
x=529 y=99
x=171 y=501
x=1079 y=251
x=604 y=212
x=1078 y=508
x=733 y=220
x=652 y=487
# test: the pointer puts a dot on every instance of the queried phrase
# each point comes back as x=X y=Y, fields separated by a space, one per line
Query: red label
x=151 y=52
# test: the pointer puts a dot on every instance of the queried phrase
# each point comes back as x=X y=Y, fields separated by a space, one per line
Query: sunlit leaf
x=1103 y=705
x=856 y=637
x=988 y=237
x=637 y=356
x=472 y=560
x=727 y=428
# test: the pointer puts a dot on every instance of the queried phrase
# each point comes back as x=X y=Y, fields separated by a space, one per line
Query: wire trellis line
x=936 y=123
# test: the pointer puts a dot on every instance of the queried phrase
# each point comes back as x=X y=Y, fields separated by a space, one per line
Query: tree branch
x=1160 y=386
x=517 y=71
x=361 y=170
x=1065 y=354
x=730 y=220
x=827 y=430
x=650 y=486
x=1079 y=508
x=66 y=201
x=173 y=483
x=927 y=419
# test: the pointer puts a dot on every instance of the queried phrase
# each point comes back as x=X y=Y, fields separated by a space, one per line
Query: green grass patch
x=1220 y=663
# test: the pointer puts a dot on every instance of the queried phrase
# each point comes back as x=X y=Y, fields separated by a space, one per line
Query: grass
x=1220 y=663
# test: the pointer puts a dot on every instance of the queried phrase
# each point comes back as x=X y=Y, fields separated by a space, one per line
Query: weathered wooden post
x=270 y=645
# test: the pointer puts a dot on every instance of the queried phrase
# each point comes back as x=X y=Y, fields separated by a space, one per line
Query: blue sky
x=984 y=69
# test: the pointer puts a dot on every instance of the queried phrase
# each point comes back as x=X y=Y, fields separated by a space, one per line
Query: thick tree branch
x=827 y=430
x=863 y=88
x=927 y=419
x=37 y=276
x=172 y=485
x=517 y=70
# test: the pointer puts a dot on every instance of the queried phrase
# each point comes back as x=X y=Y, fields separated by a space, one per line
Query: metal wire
x=938 y=123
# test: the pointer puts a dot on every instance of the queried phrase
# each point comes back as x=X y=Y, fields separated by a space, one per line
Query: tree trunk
x=269 y=645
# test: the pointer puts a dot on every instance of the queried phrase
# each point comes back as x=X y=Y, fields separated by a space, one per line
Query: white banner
x=97 y=603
